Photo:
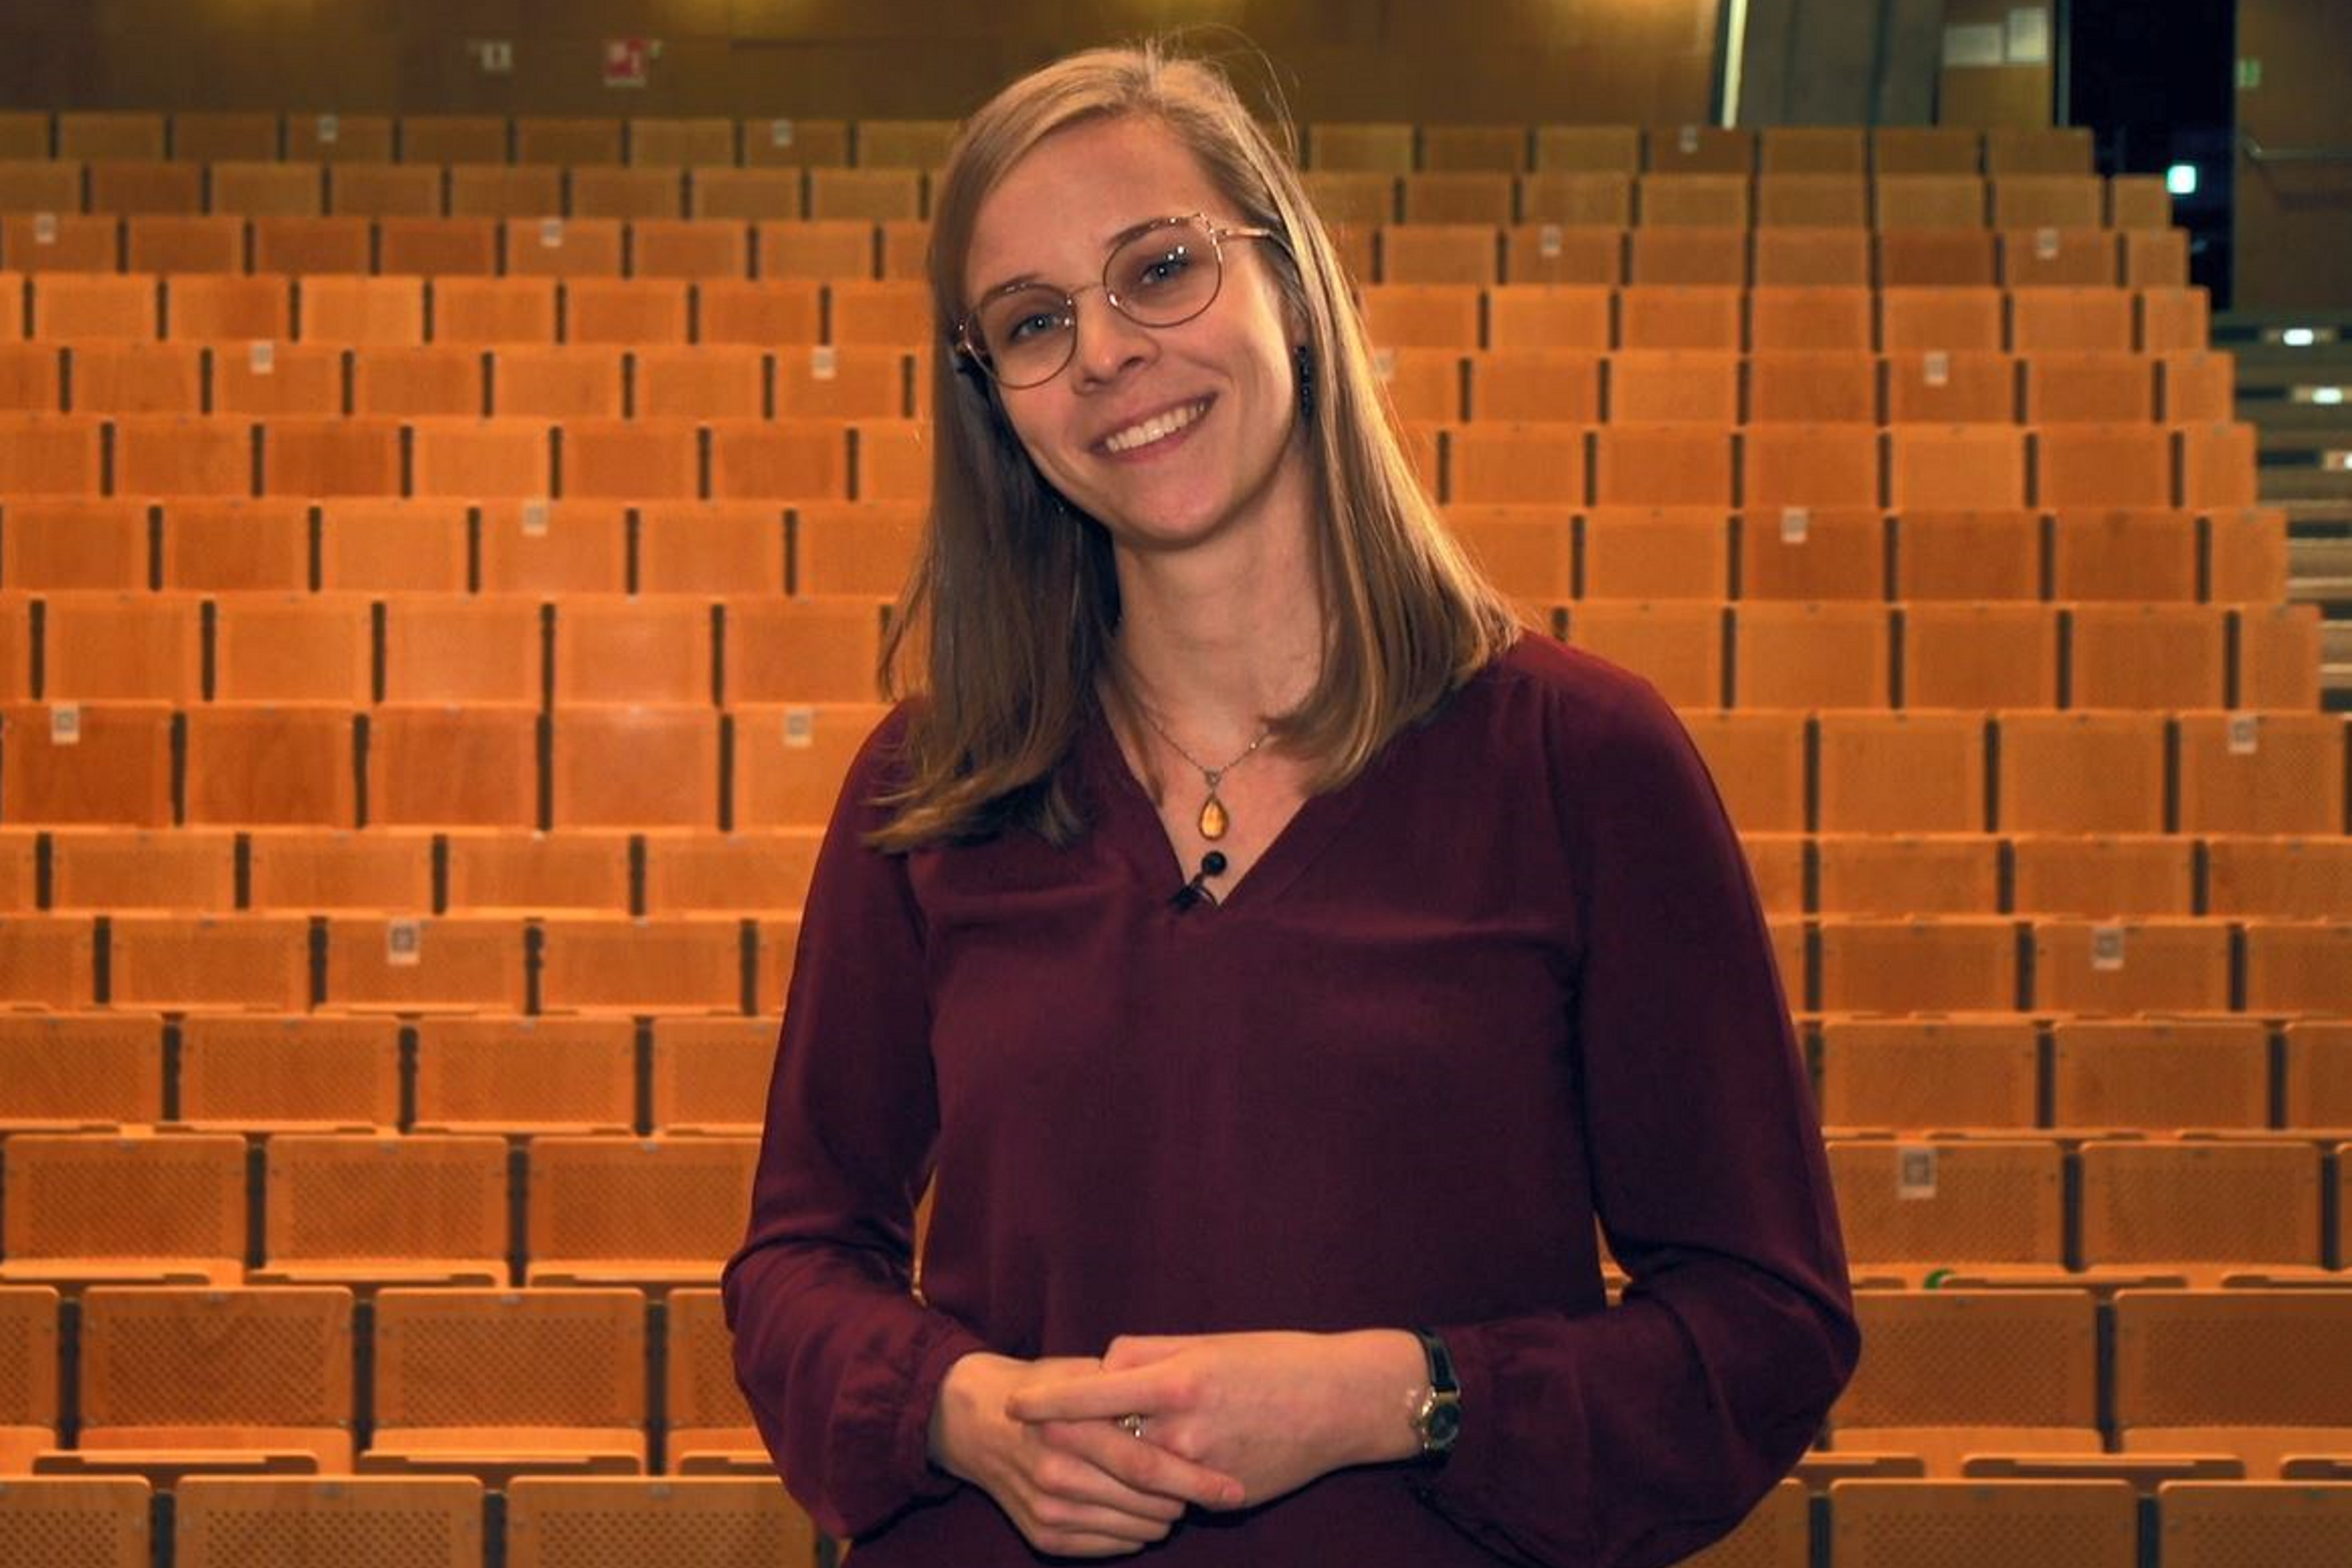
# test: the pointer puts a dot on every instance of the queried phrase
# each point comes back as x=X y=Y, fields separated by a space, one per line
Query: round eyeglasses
x=1161 y=275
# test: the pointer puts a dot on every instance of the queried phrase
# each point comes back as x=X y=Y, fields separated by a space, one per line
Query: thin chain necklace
x=1214 y=819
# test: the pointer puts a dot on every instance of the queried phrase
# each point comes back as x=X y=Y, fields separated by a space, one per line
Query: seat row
x=762 y=766
x=521 y=961
x=663 y=1076
x=922 y=143
x=745 y=244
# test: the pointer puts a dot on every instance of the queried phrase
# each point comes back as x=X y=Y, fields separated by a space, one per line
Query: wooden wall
x=1460 y=60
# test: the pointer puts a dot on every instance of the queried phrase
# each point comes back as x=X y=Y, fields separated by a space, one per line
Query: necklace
x=1214 y=819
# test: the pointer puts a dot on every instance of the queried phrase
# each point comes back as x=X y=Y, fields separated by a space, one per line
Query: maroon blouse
x=1512 y=978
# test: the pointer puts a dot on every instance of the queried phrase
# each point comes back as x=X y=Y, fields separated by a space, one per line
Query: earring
x=1305 y=358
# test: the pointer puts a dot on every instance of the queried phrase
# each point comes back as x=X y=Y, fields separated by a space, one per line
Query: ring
x=1131 y=1425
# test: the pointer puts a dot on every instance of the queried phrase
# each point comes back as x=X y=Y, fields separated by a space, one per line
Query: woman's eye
x=1161 y=271
x=1035 y=324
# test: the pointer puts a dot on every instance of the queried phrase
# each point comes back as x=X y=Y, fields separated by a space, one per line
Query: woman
x=1279 y=961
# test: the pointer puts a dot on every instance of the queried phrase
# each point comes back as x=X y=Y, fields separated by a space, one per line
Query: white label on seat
x=534 y=519
x=800 y=728
x=1935 y=368
x=779 y=133
x=823 y=362
x=1796 y=522
x=64 y=724
x=550 y=234
x=1915 y=1171
x=2045 y=244
x=403 y=943
x=45 y=228
x=2106 y=947
x=330 y=130
x=261 y=358
x=1687 y=141
x=1549 y=240
x=2245 y=734
x=1384 y=364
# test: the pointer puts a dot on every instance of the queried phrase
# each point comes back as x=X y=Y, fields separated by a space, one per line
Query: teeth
x=1159 y=427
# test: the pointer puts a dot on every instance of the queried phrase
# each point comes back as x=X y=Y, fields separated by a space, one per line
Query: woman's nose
x=1107 y=340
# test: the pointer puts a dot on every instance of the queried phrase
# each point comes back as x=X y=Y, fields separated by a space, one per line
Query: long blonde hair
x=1014 y=604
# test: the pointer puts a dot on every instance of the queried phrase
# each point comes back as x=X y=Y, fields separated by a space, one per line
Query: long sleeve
x=839 y=1359
x=1635 y=1436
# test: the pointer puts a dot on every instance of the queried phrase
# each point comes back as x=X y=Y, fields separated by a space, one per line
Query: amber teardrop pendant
x=1214 y=820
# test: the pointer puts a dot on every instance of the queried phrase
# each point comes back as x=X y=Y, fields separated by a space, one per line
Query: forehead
x=1058 y=207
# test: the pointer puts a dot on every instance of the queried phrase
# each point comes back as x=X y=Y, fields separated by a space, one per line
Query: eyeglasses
x=1163 y=275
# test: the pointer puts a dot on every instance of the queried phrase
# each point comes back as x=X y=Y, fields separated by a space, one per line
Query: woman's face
x=1166 y=435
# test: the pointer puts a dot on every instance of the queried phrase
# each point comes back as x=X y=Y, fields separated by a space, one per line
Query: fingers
x=1130 y=1351
x=1073 y=1471
x=1143 y=1465
x=1098 y=1396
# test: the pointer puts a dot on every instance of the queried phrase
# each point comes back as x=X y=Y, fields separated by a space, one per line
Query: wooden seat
x=314 y=870
x=628 y=459
x=365 y=1210
x=1552 y=316
x=700 y=1522
x=707 y=1420
x=348 y=311
x=710 y=1074
x=103 y=870
x=469 y=1376
x=1914 y=772
x=672 y=963
x=2103 y=466
x=190 y=961
x=2207 y=1524
x=99 y=1521
x=2260 y=1374
x=1948 y=964
x=2298 y=966
x=105 y=762
x=446 y=766
x=690 y=872
x=1954 y=467
x=2159 y=1076
x=538 y=381
x=1932 y=1524
x=269 y=379
x=493 y=189
x=1913 y=1075
x=1678 y=646
x=671 y=779
x=374 y=1522
x=579 y=546
x=627 y=312
x=86 y=1209
x=2290 y=878
x=2104 y=876
x=712 y=548
x=489 y=311
x=254 y=1074
x=759 y=460
x=2147 y=655
x=653 y=1213
x=290 y=245
x=1900 y=873
x=81 y=1073
x=439 y=247
x=526 y=1075
x=2203 y=1212
x=708 y=380
x=2267 y=773
x=688 y=248
x=2157 y=965
x=1979 y=656
x=790 y=760
x=1964 y=1209
x=2031 y=1383
x=413 y=964
x=2125 y=555
x=29 y=1381
x=262 y=763
x=61 y=544
x=1656 y=552
x=1810 y=654
x=495 y=871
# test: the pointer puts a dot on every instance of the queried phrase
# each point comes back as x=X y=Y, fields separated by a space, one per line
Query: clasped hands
x=1221 y=1421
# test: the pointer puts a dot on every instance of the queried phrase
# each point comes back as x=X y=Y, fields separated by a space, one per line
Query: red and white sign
x=627 y=61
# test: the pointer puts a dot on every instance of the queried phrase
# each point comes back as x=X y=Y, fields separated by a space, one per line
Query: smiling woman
x=1274 y=961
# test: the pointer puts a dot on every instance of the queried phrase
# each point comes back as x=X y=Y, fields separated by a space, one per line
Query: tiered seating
x=442 y=564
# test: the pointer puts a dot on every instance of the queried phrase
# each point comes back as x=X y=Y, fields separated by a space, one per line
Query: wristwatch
x=1438 y=1415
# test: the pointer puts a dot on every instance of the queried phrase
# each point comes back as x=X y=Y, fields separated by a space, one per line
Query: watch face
x=1442 y=1425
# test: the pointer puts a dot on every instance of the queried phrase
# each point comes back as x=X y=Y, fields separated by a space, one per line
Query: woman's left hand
x=1275 y=1410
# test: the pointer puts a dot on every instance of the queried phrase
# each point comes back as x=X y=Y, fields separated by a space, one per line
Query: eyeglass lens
x=1165 y=276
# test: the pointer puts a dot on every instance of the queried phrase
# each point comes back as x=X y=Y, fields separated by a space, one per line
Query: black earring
x=1304 y=356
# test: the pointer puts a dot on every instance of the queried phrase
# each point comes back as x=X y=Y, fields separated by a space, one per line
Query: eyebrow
x=1027 y=280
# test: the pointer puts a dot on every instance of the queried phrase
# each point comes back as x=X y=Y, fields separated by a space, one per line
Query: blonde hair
x=1014 y=604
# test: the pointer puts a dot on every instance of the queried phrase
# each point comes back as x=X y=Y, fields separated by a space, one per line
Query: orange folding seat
x=1814 y=198
x=339 y=137
x=2033 y=1388
x=493 y=311
x=251 y=765
x=634 y=650
x=563 y=142
x=656 y=1212
x=669 y=142
x=438 y=766
x=439 y=247
x=625 y=310
x=555 y=1375
x=506 y=459
x=1546 y=316
x=538 y=381
x=893 y=460
x=106 y=871
x=365 y=1209
x=1694 y=149
x=1925 y=149
x=1612 y=147
x=1473 y=148
x=1703 y=257
x=801 y=650
x=361 y=310
x=1552 y=253
x=2039 y=149
x=1546 y=385
x=1663 y=316
x=501 y=190
x=2155 y=258
x=1673 y=387
x=1909 y=1074
x=688 y=248
x=2261 y=772
x=1948 y=964
x=45 y=242
x=392 y=546
x=1813 y=388
x=2091 y=967
x=746 y=195
x=2042 y=200
x=1967 y=555
x=2197 y=388
x=893 y=314
x=1358 y=199
x=710 y=1075
x=33 y=182
x=635 y=767
x=2147 y=655
x=818 y=250
x=871 y=195
x=2217 y=466
x=759 y=315
x=2207 y=1212
x=2101 y=876
x=439 y=379
x=759 y=461
x=1979 y=656
x=135 y=378
x=49 y=454
x=75 y=307
x=315 y=870
x=1927 y=199
x=31 y=377
x=2103 y=466
x=767 y=143
x=2173 y=321
x=2089 y=388
x=849 y=383
x=463 y=649
x=1811 y=257
x=306 y=1072
x=1438 y=255
x=504 y=872
x=1382 y=146
x=106 y=762
x=1809 y=466
x=411 y=963
x=1802 y=553
x=271 y=378
x=373 y=189
x=1662 y=464
x=454 y=138
x=293 y=648
x=329 y=455
x=1915 y=772
x=2282 y=877
x=845 y=547
x=1810 y=319
x=628 y=193
x=1810 y=654
x=1424 y=385
x=709 y=380
x=1529 y=553
x=235 y=545
x=71 y=1072
x=1783 y=150
x=87 y=1209
x=564 y=547
x=1485 y=196
x=2070 y=321
x=906 y=246
x=2124 y=554
x=1972 y=1210
x=1676 y=646
x=1954 y=467
x=2080 y=772
x=1926 y=319
x=790 y=760
x=58 y=544
x=202 y=307
x=307 y=245
x=133 y=186
x=2150 y=1075
x=1422 y=315
x=1500 y=462
x=160 y=243
x=1655 y=552
x=258 y=188
x=120 y=647
x=619 y=459
x=2298 y=966
x=2058 y=257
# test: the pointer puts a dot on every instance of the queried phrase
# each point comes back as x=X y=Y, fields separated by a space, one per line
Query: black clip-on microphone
x=1196 y=891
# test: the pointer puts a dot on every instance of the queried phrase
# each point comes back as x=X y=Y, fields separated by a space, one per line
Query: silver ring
x=1131 y=1425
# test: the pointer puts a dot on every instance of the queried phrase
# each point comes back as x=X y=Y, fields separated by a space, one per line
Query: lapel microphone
x=1196 y=891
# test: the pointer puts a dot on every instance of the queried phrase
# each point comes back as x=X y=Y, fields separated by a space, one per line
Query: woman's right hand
x=1079 y=1489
